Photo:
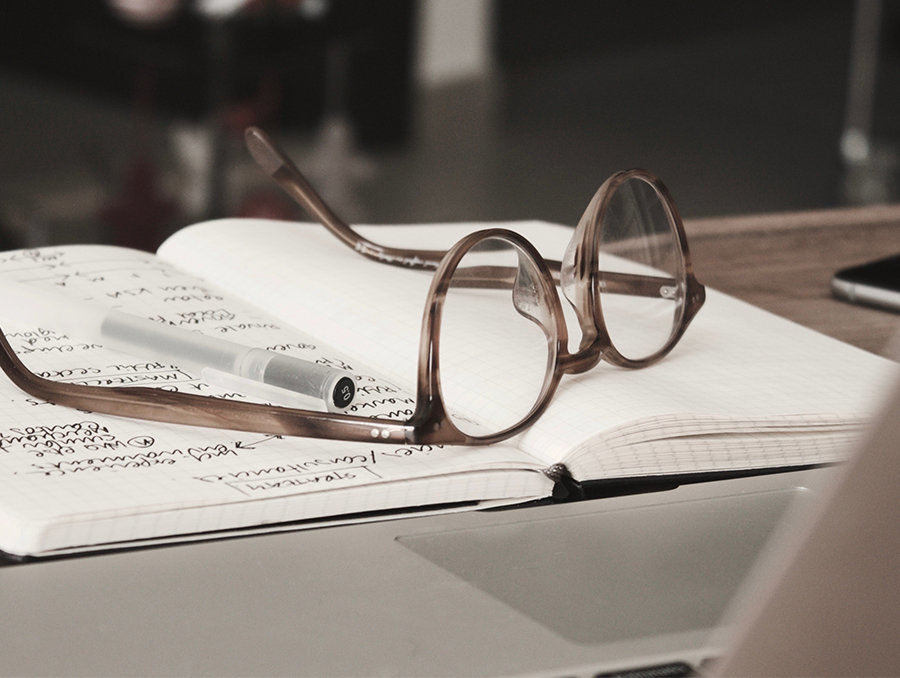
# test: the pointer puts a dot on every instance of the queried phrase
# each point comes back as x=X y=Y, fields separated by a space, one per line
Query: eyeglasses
x=494 y=342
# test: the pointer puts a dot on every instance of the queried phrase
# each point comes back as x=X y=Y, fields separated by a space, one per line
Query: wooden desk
x=784 y=263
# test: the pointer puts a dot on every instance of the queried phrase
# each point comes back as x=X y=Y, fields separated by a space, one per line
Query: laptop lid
x=584 y=587
x=825 y=601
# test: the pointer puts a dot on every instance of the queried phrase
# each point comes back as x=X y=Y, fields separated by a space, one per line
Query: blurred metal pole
x=856 y=140
x=220 y=62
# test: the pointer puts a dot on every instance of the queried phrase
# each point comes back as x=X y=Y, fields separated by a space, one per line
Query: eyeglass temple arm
x=195 y=410
x=500 y=277
x=277 y=165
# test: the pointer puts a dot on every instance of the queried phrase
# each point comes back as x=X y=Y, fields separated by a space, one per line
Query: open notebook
x=743 y=390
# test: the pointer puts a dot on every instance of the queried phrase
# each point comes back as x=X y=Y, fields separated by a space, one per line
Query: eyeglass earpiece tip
x=262 y=150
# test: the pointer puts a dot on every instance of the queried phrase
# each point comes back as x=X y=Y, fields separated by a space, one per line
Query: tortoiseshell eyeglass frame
x=430 y=422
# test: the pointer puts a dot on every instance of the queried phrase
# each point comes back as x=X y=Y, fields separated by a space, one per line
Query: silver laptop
x=824 y=600
x=622 y=585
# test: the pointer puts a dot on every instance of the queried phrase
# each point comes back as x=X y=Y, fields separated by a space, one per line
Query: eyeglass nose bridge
x=583 y=360
x=574 y=281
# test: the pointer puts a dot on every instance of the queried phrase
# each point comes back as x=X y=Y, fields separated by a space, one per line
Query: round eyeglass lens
x=641 y=279
x=497 y=341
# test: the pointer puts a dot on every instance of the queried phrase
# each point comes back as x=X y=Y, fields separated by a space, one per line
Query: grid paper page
x=371 y=311
x=738 y=370
x=78 y=477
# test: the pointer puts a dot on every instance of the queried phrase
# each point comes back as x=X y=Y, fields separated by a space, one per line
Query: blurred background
x=121 y=120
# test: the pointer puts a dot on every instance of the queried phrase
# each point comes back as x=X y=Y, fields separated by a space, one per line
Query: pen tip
x=263 y=150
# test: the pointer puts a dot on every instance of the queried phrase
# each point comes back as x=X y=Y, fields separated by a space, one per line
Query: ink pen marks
x=312 y=473
x=38 y=403
x=377 y=407
x=231 y=396
x=41 y=257
x=143 y=459
x=209 y=452
x=376 y=390
x=69 y=373
x=197 y=317
x=75 y=347
x=292 y=346
x=132 y=292
x=75 y=278
x=252 y=446
x=337 y=476
x=395 y=414
x=39 y=334
x=143 y=366
x=238 y=327
x=183 y=288
x=378 y=402
x=182 y=298
x=309 y=465
x=167 y=376
x=188 y=293
x=42 y=340
x=335 y=362
x=58 y=439
x=411 y=451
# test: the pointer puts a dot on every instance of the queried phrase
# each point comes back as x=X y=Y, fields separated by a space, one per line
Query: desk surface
x=784 y=263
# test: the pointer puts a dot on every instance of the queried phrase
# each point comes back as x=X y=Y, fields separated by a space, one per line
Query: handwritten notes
x=56 y=462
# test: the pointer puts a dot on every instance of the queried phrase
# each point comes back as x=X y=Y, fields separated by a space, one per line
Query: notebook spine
x=565 y=487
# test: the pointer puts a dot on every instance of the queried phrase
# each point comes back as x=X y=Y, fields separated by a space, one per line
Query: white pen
x=149 y=339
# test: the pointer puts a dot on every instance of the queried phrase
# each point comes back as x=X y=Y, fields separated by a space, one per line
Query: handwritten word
x=291 y=346
x=67 y=373
x=192 y=297
x=62 y=348
x=375 y=390
x=394 y=414
x=410 y=451
x=184 y=288
x=237 y=327
x=133 y=292
x=138 y=378
x=296 y=481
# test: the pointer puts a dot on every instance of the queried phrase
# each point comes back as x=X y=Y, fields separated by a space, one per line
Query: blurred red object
x=266 y=204
x=140 y=215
